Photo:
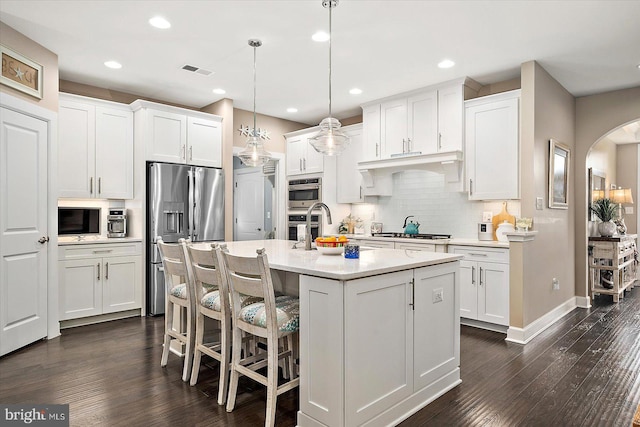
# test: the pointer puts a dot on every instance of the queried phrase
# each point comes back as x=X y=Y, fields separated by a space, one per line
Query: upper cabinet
x=427 y=121
x=492 y=146
x=95 y=148
x=350 y=189
x=302 y=158
x=177 y=135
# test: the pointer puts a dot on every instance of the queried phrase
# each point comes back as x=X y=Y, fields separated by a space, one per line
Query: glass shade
x=254 y=153
x=330 y=141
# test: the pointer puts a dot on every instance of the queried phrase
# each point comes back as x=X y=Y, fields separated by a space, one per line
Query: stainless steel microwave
x=304 y=192
x=79 y=221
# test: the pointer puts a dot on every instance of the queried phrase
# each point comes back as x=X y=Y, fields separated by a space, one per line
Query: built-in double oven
x=302 y=193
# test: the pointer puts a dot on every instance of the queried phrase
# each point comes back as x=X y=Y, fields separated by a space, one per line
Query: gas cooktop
x=414 y=236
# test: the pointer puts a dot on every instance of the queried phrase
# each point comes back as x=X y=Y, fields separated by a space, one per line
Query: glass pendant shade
x=254 y=154
x=330 y=141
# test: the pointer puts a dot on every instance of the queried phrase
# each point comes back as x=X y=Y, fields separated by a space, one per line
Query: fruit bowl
x=331 y=245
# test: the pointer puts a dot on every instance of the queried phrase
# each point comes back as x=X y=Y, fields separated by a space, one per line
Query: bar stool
x=179 y=294
x=212 y=301
x=273 y=319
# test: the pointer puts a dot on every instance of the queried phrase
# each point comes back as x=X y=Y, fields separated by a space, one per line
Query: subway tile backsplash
x=436 y=207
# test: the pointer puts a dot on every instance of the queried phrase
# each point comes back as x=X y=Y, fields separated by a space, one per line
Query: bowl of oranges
x=331 y=245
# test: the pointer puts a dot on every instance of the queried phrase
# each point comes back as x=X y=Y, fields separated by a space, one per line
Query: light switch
x=539 y=201
x=628 y=210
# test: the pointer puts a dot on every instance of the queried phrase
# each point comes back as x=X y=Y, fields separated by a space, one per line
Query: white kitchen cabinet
x=350 y=188
x=419 y=308
x=177 y=135
x=95 y=149
x=97 y=279
x=373 y=243
x=370 y=133
x=492 y=146
x=450 y=118
x=393 y=127
x=484 y=284
x=417 y=246
x=302 y=158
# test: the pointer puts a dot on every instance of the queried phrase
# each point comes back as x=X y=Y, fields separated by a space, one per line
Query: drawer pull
x=102 y=251
x=477 y=254
x=98 y=271
x=106 y=271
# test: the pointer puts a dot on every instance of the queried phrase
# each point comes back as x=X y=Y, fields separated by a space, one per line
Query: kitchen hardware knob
x=106 y=271
x=98 y=271
x=43 y=240
x=480 y=276
x=100 y=185
x=473 y=275
x=91 y=185
x=259 y=229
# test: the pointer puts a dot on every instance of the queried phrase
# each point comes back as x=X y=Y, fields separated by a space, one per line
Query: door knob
x=43 y=240
x=259 y=229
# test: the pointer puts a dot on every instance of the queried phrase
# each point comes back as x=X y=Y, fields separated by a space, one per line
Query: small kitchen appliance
x=117 y=223
x=485 y=230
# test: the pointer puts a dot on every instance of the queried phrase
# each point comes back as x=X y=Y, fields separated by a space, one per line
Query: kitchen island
x=379 y=335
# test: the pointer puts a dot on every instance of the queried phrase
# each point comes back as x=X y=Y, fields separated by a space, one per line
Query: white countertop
x=91 y=240
x=452 y=241
x=372 y=262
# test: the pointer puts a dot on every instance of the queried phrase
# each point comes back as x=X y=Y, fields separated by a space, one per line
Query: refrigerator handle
x=191 y=200
x=195 y=213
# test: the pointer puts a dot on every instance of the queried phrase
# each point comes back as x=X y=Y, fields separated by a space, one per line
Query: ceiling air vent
x=197 y=70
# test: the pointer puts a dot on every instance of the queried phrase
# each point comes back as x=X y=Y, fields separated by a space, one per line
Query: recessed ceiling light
x=292 y=110
x=160 y=22
x=355 y=91
x=113 y=64
x=219 y=91
x=320 y=36
x=446 y=63
x=638 y=65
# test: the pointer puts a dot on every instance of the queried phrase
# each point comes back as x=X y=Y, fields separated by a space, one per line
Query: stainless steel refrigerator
x=182 y=202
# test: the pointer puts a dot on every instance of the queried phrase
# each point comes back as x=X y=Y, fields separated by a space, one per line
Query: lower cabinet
x=373 y=243
x=484 y=284
x=99 y=279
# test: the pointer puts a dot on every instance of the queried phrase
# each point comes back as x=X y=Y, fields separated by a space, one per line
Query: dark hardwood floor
x=582 y=371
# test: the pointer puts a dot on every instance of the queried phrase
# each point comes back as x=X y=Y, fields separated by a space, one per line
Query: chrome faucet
x=307 y=237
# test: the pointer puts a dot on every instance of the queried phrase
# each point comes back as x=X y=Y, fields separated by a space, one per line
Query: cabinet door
x=450 y=118
x=349 y=189
x=371 y=132
x=76 y=150
x=393 y=127
x=378 y=344
x=295 y=154
x=493 y=150
x=425 y=247
x=436 y=323
x=114 y=153
x=377 y=244
x=121 y=285
x=313 y=161
x=493 y=293
x=468 y=290
x=422 y=123
x=167 y=136
x=80 y=284
x=204 y=142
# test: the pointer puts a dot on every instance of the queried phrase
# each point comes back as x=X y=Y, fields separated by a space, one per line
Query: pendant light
x=254 y=153
x=330 y=141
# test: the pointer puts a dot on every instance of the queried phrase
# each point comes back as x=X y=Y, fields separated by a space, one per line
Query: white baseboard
x=484 y=325
x=583 y=302
x=529 y=332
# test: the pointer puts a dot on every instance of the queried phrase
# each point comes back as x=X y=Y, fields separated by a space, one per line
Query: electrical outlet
x=438 y=295
x=539 y=201
x=556 y=284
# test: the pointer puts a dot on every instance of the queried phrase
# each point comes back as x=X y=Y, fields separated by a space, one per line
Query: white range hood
x=448 y=163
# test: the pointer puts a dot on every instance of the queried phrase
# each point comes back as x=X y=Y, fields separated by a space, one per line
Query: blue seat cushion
x=287 y=312
x=180 y=291
x=211 y=300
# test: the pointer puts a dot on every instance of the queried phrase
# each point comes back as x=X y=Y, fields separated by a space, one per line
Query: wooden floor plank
x=583 y=370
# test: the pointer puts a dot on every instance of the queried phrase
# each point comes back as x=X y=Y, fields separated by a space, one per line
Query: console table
x=612 y=262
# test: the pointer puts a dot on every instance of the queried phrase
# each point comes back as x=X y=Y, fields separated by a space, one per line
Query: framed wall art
x=559 y=162
x=21 y=73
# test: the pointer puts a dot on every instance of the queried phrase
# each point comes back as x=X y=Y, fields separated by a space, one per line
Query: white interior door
x=249 y=204
x=23 y=222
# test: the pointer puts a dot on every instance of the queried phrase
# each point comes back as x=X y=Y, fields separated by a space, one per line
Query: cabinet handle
x=471 y=187
x=106 y=271
x=91 y=185
x=190 y=153
x=100 y=185
x=301 y=165
x=102 y=251
x=361 y=192
x=439 y=141
x=480 y=276
x=98 y=271
x=477 y=254
x=304 y=162
x=377 y=148
x=413 y=294
x=183 y=155
x=473 y=275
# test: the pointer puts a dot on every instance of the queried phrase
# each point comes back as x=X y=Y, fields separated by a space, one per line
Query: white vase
x=607 y=228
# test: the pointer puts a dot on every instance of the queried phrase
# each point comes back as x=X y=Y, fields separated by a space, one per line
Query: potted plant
x=606 y=211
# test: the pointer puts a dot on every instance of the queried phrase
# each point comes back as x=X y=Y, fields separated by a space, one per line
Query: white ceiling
x=381 y=47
